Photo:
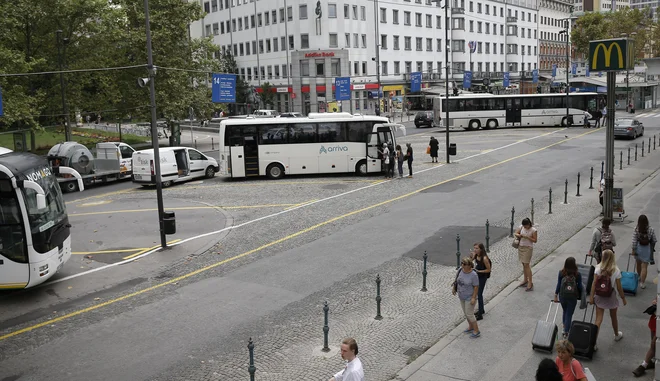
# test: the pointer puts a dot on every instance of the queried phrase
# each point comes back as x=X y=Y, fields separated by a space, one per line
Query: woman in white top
x=609 y=268
x=527 y=235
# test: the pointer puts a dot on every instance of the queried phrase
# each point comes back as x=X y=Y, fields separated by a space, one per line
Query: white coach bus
x=491 y=111
x=319 y=143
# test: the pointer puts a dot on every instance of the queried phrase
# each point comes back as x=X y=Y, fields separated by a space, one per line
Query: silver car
x=628 y=128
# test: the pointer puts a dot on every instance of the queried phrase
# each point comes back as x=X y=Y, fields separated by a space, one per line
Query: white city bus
x=319 y=143
x=35 y=240
x=491 y=111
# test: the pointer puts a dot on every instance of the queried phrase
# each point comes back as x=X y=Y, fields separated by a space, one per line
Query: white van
x=177 y=164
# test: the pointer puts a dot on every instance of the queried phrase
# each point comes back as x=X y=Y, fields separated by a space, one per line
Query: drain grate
x=414 y=352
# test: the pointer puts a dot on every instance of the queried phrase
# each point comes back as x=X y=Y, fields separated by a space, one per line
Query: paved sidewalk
x=504 y=351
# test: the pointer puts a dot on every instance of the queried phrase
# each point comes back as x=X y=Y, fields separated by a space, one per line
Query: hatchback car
x=290 y=115
x=424 y=119
x=628 y=128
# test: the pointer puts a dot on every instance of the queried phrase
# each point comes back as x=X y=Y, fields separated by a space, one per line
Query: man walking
x=353 y=370
x=604 y=112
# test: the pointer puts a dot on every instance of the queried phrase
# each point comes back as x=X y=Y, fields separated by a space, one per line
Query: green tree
x=243 y=93
x=267 y=94
x=599 y=26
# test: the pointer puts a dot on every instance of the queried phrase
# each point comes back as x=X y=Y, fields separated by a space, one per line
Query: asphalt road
x=288 y=241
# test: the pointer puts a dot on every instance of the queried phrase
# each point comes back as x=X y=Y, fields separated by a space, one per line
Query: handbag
x=428 y=150
x=516 y=243
x=454 y=286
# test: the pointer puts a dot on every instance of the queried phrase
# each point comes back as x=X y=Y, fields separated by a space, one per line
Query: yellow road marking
x=302 y=203
x=148 y=249
x=96 y=203
x=183 y=208
x=107 y=251
x=104 y=195
x=273 y=243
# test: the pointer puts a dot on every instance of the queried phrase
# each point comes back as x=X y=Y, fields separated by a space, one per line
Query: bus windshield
x=44 y=224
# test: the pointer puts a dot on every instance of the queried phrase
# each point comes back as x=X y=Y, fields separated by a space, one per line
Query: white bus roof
x=487 y=95
x=312 y=117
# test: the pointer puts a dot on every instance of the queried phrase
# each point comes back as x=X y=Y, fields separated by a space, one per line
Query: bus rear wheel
x=474 y=125
x=275 y=171
x=491 y=123
x=361 y=168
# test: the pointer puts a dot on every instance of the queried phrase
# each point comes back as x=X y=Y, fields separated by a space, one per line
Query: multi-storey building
x=300 y=46
x=554 y=24
x=601 y=5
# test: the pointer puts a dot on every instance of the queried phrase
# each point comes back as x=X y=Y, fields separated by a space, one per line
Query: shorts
x=525 y=254
x=468 y=310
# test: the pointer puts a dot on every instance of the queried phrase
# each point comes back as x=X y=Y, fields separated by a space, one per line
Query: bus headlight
x=43 y=268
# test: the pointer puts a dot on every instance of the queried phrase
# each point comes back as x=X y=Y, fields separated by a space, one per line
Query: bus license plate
x=137 y=177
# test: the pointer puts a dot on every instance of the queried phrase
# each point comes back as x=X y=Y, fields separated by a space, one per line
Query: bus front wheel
x=474 y=125
x=361 y=168
x=71 y=186
x=564 y=122
x=275 y=171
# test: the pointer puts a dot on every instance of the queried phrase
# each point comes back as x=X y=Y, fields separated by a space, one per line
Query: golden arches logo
x=607 y=51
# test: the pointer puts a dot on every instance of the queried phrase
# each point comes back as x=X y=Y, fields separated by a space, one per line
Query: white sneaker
x=619 y=336
x=642 y=285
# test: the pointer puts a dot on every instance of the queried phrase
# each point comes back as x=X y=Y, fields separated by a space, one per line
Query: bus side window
x=12 y=245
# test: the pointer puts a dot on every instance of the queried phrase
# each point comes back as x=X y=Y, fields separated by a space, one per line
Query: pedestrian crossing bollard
x=591 y=179
x=578 y=186
x=550 y=201
x=642 y=148
x=211 y=143
x=628 y=155
x=649 y=149
x=458 y=251
x=195 y=143
x=251 y=369
x=424 y=273
x=533 y=209
x=602 y=169
x=635 y=151
x=378 y=298
x=566 y=192
x=513 y=212
x=326 y=329
x=654 y=142
x=487 y=236
x=620 y=160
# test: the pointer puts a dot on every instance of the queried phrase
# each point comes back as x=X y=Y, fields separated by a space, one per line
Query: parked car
x=628 y=128
x=424 y=119
x=265 y=113
x=290 y=115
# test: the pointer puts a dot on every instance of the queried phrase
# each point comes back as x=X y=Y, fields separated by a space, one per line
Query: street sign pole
x=609 y=145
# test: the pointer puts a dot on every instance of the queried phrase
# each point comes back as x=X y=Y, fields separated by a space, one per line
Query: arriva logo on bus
x=332 y=149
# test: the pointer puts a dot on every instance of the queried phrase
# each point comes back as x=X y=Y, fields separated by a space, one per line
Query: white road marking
x=286 y=211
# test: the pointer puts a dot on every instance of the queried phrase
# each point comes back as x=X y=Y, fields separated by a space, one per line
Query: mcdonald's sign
x=611 y=55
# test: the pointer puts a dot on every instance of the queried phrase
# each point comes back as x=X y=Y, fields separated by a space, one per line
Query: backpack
x=643 y=238
x=392 y=152
x=606 y=240
x=604 y=285
x=568 y=288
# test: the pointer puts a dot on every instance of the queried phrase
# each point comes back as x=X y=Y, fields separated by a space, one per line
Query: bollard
x=635 y=151
x=591 y=179
x=642 y=148
x=326 y=329
x=628 y=155
x=195 y=143
x=620 y=160
x=578 y=186
x=487 y=236
x=654 y=142
x=458 y=251
x=602 y=169
x=378 y=299
x=211 y=144
x=649 y=149
x=533 y=210
x=550 y=202
x=424 y=273
x=566 y=192
x=513 y=212
x=251 y=369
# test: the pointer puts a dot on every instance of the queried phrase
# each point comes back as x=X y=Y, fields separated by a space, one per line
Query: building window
x=347 y=12
x=429 y=44
x=438 y=22
x=320 y=68
x=247 y=48
x=420 y=66
x=487 y=28
x=396 y=42
x=268 y=46
x=364 y=67
x=383 y=41
x=479 y=25
x=395 y=16
x=459 y=24
x=281 y=14
x=333 y=40
x=356 y=40
x=364 y=41
x=363 y=13
x=479 y=44
x=383 y=15
x=214 y=6
x=347 y=42
x=429 y=67
x=406 y=18
x=270 y=72
x=289 y=13
x=458 y=46
x=283 y=43
x=267 y=18
x=254 y=47
x=407 y=43
x=207 y=7
x=438 y=44
x=304 y=41
x=215 y=29
x=487 y=9
x=302 y=12
x=274 y=16
x=408 y=67
x=275 y=45
x=478 y=7
x=488 y=48
x=356 y=68
x=261 y=46
x=291 y=43
x=383 y=68
x=304 y=68
x=418 y=19
x=284 y=72
x=334 y=67
x=418 y=43
x=277 y=71
x=259 y=20
x=471 y=6
x=355 y=12
x=397 y=68
x=233 y=25
x=332 y=11
x=241 y=50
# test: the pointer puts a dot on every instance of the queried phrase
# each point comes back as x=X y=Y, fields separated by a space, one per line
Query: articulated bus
x=491 y=111
x=35 y=240
x=319 y=143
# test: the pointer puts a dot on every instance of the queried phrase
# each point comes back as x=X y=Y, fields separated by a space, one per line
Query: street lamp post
x=446 y=105
x=377 y=59
x=628 y=101
x=568 y=62
x=154 y=132
x=65 y=108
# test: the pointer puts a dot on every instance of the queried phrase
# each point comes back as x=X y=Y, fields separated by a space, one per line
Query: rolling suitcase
x=583 y=335
x=545 y=333
x=587 y=273
x=629 y=280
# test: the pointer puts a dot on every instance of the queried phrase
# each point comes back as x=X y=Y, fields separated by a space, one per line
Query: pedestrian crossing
x=655 y=113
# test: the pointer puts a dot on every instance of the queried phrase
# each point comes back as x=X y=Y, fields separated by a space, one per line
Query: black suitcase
x=587 y=274
x=583 y=335
x=545 y=333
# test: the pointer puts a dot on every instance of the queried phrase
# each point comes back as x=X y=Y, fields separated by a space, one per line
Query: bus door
x=383 y=135
x=513 y=111
x=14 y=266
x=237 y=157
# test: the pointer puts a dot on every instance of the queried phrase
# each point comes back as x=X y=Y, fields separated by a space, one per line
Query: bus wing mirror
x=74 y=173
x=41 y=198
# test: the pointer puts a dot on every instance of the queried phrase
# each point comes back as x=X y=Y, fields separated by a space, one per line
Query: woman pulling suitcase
x=607 y=278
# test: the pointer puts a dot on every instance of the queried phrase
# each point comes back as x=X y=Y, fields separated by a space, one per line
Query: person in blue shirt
x=567 y=292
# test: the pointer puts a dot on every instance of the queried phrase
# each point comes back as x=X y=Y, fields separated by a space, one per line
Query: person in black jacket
x=434 y=144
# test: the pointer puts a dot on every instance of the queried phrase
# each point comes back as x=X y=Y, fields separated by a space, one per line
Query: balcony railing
x=458 y=11
x=510 y=19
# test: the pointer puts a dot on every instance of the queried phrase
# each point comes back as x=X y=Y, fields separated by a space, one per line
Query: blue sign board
x=535 y=76
x=1 y=110
x=505 y=81
x=223 y=88
x=343 y=88
x=467 y=79
x=574 y=69
x=416 y=82
x=587 y=70
x=554 y=70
